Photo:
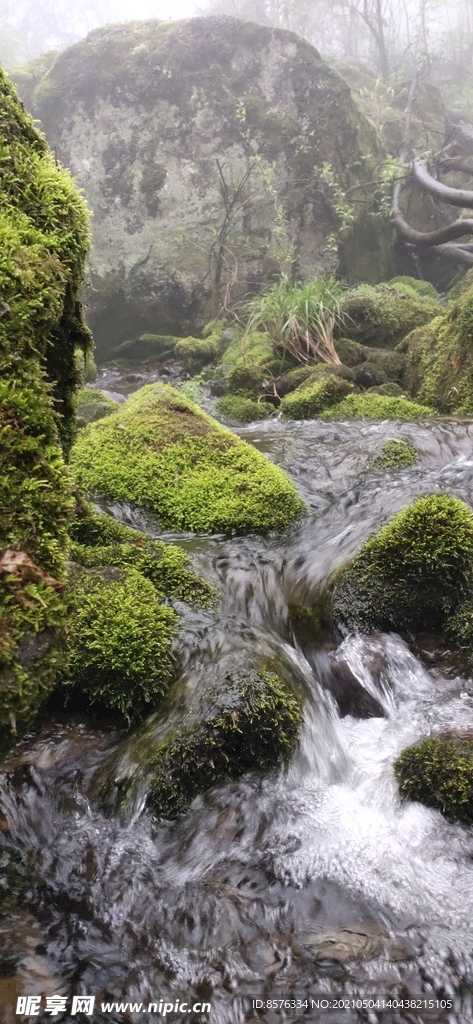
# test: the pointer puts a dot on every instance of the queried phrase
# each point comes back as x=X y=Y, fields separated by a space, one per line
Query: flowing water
x=315 y=883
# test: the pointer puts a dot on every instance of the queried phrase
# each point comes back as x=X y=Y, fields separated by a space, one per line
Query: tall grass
x=300 y=321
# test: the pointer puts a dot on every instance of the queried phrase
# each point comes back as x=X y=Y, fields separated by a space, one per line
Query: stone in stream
x=413 y=574
x=162 y=453
x=438 y=772
x=160 y=121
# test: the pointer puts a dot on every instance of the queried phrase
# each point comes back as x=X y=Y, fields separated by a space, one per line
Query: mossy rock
x=383 y=315
x=253 y=349
x=369 y=375
x=194 y=353
x=459 y=632
x=351 y=352
x=375 y=407
x=161 y=452
x=119 y=640
x=389 y=390
x=244 y=410
x=439 y=360
x=396 y=453
x=147 y=347
x=312 y=398
x=461 y=288
x=413 y=574
x=246 y=381
x=412 y=284
x=439 y=773
x=97 y=540
x=44 y=241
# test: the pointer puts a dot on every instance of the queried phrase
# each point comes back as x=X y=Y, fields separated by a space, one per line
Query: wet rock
x=365 y=942
x=350 y=696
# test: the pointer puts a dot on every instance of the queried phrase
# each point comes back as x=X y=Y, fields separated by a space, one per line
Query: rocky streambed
x=282 y=889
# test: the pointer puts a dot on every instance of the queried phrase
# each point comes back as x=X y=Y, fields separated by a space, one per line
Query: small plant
x=300 y=321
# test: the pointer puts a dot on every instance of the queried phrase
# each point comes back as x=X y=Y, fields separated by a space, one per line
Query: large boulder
x=198 y=146
x=439 y=359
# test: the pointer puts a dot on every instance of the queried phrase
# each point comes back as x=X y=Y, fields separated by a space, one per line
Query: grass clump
x=439 y=773
x=251 y=724
x=300 y=321
x=396 y=454
x=312 y=398
x=119 y=641
x=413 y=574
x=375 y=407
x=245 y=410
x=164 y=454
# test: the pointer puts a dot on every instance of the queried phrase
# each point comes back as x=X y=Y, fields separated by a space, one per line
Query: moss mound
x=413 y=574
x=383 y=315
x=314 y=396
x=147 y=347
x=245 y=410
x=194 y=353
x=164 y=454
x=253 y=349
x=119 y=640
x=439 y=773
x=439 y=364
x=375 y=407
x=246 y=381
x=395 y=454
x=44 y=240
x=98 y=540
x=412 y=284
x=251 y=724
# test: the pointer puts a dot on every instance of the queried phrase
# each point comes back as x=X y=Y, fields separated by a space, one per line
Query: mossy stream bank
x=303 y=879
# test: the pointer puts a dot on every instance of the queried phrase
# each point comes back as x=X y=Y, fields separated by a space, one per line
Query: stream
x=312 y=894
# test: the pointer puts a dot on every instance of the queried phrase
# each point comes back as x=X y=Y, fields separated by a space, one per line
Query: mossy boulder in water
x=396 y=453
x=44 y=241
x=243 y=410
x=160 y=122
x=120 y=630
x=382 y=316
x=413 y=574
x=371 y=406
x=439 y=360
x=164 y=454
x=313 y=397
x=439 y=773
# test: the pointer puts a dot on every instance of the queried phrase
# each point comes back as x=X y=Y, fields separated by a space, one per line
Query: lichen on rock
x=163 y=453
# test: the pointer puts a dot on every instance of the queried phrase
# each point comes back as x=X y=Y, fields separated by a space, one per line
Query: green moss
x=459 y=632
x=375 y=407
x=350 y=352
x=439 y=773
x=98 y=540
x=195 y=353
x=439 y=360
x=164 y=454
x=237 y=407
x=383 y=315
x=389 y=390
x=147 y=346
x=86 y=395
x=461 y=288
x=412 y=284
x=251 y=724
x=246 y=381
x=312 y=398
x=43 y=243
x=413 y=574
x=253 y=349
x=119 y=641
x=396 y=454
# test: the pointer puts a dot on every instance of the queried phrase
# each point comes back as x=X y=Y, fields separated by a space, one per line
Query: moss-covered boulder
x=209 y=732
x=44 y=241
x=382 y=316
x=314 y=396
x=371 y=406
x=243 y=410
x=159 y=122
x=413 y=574
x=439 y=360
x=164 y=454
x=439 y=773
x=92 y=405
x=148 y=347
x=396 y=453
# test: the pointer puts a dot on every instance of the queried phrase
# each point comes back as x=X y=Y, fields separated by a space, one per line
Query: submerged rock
x=439 y=773
x=413 y=574
x=161 y=452
x=168 y=126
x=44 y=230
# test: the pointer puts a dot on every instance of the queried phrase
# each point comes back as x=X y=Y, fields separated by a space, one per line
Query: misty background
x=390 y=37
